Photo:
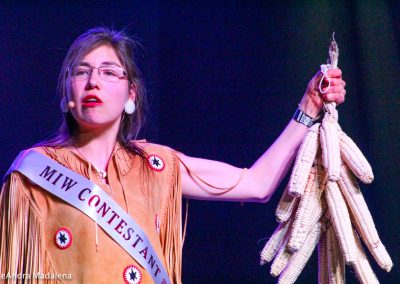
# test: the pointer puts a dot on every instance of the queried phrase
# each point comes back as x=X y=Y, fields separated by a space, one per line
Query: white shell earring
x=129 y=106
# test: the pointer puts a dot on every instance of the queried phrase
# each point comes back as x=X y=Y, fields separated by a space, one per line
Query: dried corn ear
x=304 y=161
x=364 y=272
x=329 y=139
x=285 y=207
x=308 y=213
x=341 y=220
x=300 y=258
x=281 y=260
x=362 y=218
x=336 y=269
x=356 y=161
x=271 y=248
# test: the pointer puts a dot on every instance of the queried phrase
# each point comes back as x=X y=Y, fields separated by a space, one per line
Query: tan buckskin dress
x=30 y=218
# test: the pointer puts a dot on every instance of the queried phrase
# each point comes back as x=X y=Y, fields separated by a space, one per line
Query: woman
x=103 y=103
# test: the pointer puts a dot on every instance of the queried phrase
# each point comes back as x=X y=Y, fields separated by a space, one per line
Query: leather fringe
x=22 y=242
x=171 y=230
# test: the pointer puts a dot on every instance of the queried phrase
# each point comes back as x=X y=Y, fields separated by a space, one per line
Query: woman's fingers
x=333 y=86
x=334 y=82
x=333 y=89
x=337 y=97
x=334 y=73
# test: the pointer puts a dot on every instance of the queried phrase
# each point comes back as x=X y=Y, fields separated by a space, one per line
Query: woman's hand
x=313 y=99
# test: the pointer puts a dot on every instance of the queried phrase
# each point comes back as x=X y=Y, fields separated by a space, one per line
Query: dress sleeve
x=22 y=244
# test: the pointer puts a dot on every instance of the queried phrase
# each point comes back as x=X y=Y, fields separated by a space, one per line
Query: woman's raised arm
x=213 y=180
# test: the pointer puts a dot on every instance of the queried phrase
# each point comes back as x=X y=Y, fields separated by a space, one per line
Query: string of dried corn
x=302 y=214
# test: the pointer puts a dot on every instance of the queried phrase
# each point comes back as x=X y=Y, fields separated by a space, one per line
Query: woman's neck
x=96 y=147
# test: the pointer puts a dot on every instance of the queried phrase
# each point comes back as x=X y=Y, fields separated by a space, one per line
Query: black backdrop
x=223 y=78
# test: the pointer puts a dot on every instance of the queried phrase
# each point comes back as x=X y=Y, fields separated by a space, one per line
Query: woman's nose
x=93 y=81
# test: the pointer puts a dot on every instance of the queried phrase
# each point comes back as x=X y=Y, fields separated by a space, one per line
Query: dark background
x=223 y=78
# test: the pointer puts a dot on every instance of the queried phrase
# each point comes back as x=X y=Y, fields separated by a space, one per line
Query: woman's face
x=99 y=103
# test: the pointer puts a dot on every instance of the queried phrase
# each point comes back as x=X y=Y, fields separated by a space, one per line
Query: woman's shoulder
x=149 y=147
x=49 y=151
x=158 y=156
x=64 y=156
x=41 y=149
x=54 y=152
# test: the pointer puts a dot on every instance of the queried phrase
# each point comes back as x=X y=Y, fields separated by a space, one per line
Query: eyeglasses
x=107 y=73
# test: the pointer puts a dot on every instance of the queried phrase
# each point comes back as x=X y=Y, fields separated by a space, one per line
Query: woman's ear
x=132 y=91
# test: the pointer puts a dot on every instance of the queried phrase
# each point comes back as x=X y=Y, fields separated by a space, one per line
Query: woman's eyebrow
x=110 y=63
x=84 y=64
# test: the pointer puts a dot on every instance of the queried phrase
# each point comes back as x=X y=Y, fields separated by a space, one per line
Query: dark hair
x=124 y=47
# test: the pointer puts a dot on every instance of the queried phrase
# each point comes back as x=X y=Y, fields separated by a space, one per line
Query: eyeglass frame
x=91 y=68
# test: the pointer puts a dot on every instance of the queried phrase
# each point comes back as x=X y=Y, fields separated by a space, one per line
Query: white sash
x=95 y=203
